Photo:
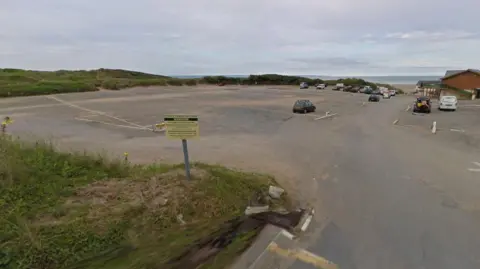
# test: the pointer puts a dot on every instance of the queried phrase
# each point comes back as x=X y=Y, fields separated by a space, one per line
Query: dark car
x=422 y=105
x=303 y=106
x=374 y=98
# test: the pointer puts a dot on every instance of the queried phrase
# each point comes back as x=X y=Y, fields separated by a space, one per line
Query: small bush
x=175 y=82
x=191 y=82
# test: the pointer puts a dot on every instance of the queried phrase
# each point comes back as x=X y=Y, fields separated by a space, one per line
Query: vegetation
x=63 y=210
x=17 y=82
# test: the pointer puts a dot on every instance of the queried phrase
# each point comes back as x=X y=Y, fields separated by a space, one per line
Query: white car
x=386 y=95
x=448 y=103
x=321 y=86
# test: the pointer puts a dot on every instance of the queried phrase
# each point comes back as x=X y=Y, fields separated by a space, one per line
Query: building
x=464 y=80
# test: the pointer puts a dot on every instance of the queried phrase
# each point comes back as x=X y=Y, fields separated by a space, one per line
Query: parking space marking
x=303 y=255
x=475 y=169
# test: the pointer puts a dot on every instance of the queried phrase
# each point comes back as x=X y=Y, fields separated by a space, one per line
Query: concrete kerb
x=269 y=235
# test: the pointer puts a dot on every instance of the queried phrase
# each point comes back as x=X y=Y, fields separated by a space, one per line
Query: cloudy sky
x=185 y=37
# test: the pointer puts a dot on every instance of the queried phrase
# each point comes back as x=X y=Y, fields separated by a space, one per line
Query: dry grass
x=62 y=210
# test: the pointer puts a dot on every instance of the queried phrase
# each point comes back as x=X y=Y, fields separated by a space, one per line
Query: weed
x=68 y=210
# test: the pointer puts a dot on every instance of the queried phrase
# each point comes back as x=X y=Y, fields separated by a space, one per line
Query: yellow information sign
x=181 y=126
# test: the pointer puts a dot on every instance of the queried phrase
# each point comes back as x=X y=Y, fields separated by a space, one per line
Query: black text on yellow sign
x=181 y=126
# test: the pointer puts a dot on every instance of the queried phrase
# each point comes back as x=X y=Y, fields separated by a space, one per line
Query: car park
x=422 y=105
x=448 y=103
x=303 y=106
x=374 y=98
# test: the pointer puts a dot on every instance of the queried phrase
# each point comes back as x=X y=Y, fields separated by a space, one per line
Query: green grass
x=18 y=82
x=65 y=210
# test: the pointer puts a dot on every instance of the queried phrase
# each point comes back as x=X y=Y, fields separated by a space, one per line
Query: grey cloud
x=227 y=36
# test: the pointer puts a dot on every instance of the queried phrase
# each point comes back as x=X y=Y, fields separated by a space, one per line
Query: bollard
x=434 y=127
x=125 y=155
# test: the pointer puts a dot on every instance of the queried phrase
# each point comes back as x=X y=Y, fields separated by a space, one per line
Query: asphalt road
x=385 y=196
x=396 y=198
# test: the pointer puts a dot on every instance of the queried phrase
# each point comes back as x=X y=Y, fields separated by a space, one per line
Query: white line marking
x=326 y=116
x=288 y=235
x=307 y=223
x=395 y=122
x=93 y=111
x=458 y=130
x=116 y=125
x=475 y=169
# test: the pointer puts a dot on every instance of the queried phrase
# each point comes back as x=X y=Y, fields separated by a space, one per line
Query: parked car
x=321 y=86
x=347 y=88
x=303 y=106
x=368 y=90
x=422 y=105
x=393 y=92
x=377 y=92
x=303 y=85
x=336 y=88
x=386 y=95
x=448 y=103
x=374 y=98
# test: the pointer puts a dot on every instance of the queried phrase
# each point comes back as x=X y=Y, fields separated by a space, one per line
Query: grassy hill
x=18 y=82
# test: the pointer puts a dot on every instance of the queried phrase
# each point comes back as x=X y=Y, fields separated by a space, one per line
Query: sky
x=208 y=37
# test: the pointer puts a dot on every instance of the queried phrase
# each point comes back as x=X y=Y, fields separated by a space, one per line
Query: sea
x=407 y=80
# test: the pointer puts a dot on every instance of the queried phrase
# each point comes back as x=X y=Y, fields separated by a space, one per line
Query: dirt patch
x=115 y=197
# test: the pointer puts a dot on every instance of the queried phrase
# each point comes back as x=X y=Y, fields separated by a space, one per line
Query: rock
x=275 y=192
x=160 y=201
x=256 y=209
x=180 y=219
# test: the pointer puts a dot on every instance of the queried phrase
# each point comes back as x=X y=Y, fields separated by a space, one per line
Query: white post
x=434 y=127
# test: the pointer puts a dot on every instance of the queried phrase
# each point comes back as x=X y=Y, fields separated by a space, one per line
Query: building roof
x=451 y=73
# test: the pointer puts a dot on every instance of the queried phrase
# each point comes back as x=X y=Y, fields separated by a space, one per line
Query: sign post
x=182 y=127
x=185 y=157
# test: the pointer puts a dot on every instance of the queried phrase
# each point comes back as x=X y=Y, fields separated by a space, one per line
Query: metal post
x=185 y=155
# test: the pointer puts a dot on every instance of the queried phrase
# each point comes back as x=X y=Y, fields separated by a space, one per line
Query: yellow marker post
x=125 y=154
x=6 y=121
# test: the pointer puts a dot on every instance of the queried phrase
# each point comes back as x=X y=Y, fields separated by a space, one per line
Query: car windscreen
x=300 y=103
x=449 y=98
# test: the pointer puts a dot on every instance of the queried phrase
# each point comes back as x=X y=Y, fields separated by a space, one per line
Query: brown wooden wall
x=467 y=80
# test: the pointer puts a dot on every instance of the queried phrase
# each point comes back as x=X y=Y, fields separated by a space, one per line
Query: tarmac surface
x=385 y=195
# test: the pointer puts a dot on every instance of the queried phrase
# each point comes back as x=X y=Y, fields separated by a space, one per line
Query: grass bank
x=63 y=210
x=18 y=82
